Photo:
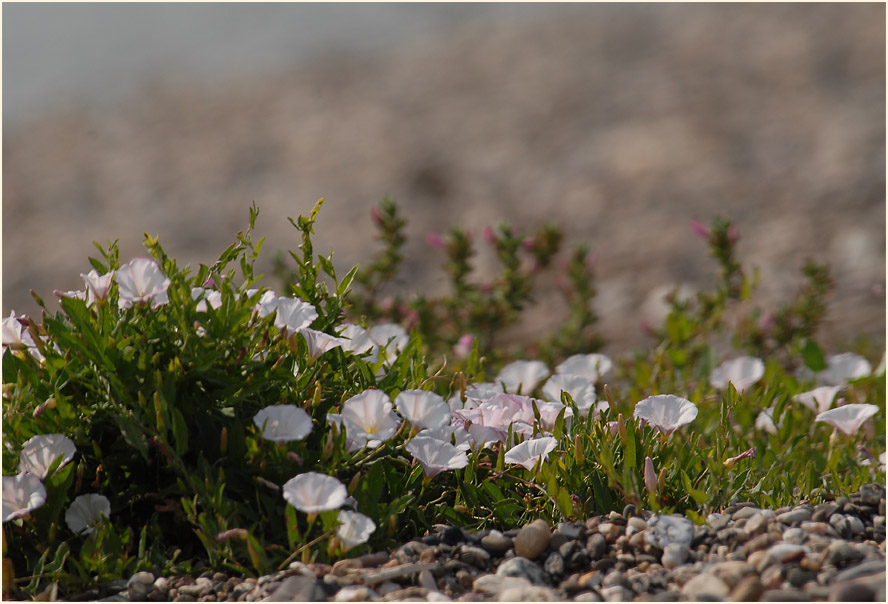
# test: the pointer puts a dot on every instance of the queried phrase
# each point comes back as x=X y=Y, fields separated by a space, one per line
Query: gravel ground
x=832 y=551
x=622 y=125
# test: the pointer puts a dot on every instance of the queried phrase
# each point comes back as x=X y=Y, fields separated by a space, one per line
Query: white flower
x=205 y=297
x=435 y=455
x=97 y=285
x=819 y=399
x=313 y=492
x=15 y=335
x=530 y=452
x=368 y=418
x=141 y=281
x=424 y=409
x=457 y=434
x=589 y=366
x=86 y=511
x=282 y=423
x=354 y=528
x=22 y=494
x=841 y=368
x=357 y=339
x=848 y=418
x=319 y=342
x=765 y=421
x=742 y=372
x=522 y=375
x=580 y=389
x=41 y=450
x=390 y=337
x=293 y=315
x=666 y=412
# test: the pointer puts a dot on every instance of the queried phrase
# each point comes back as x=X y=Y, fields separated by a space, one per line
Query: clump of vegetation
x=170 y=420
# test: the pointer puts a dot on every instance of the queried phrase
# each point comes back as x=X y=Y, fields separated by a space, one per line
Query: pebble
x=492 y=584
x=663 y=530
x=496 y=543
x=532 y=540
x=534 y=593
x=674 y=554
x=706 y=586
x=522 y=568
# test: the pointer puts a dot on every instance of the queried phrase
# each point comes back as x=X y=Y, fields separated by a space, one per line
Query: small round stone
x=496 y=543
x=674 y=554
x=532 y=540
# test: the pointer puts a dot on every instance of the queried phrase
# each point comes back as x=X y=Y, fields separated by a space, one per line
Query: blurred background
x=621 y=122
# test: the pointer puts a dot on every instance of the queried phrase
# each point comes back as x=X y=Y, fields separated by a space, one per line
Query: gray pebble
x=852 y=592
x=784 y=595
x=865 y=568
x=674 y=554
x=554 y=564
x=706 y=586
x=796 y=516
x=496 y=543
x=474 y=556
x=588 y=596
x=533 y=593
x=841 y=554
x=596 y=546
x=745 y=512
x=523 y=568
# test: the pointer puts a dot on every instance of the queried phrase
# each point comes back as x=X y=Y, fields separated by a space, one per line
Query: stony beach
x=831 y=551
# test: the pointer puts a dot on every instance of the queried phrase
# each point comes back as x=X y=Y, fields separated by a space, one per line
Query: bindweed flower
x=456 y=435
x=819 y=399
x=391 y=338
x=368 y=418
x=590 y=366
x=423 y=409
x=765 y=421
x=75 y=294
x=841 y=368
x=97 y=285
x=650 y=475
x=292 y=314
x=742 y=372
x=848 y=418
x=40 y=451
x=319 y=342
x=86 y=511
x=206 y=298
x=732 y=461
x=141 y=282
x=357 y=339
x=435 y=455
x=22 y=494
x=666 y=412
x=463 y=347
x=530 y=452
x=580 y=389
x=313 y=492
x=15 y=336
x=522 y=375
x=354 y=528
x=283 y=423
x=435 y=240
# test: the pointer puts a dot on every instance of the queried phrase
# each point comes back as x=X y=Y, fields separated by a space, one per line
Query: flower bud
x=316 y=396
x=223 y=441
x=392 y=525
x=578 y=449
x=650 y=475
x=230 y=534
x=353 y=484
x=328 y=448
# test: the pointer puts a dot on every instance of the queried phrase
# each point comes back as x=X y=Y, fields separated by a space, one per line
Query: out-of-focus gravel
x=621 y=125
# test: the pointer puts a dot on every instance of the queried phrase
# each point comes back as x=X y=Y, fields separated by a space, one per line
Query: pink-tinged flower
x=765 y=421
x=666 y=412
x=522 y=375
x=650 y=475
x=435 y=455
x=86 y=511
x=842 y=368
x=97 y=285
x=15 y=335
x=478 y=393
x=319 y=342
x=742 y=372
x=423 y=409
x=488 y=235
x=283 y=423
x=292 y=315
x=368 y=418
x=589 y=366
x=22 y=494
x=206 y=297
x=435 y=240
x=357 y=339
x=732 y=461
x=463 y=347
x=354 y=528
x=313 y=492
x=75 y=294
x=700 y=229
x=40 y=451
x=848 y=418
x=530 y=452
x=141 y=282
x=580 y=389
x=455 y=435
x=819 y=399
x=240 y=533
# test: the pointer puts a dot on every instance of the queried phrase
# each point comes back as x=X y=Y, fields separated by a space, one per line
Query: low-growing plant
x=174 y=420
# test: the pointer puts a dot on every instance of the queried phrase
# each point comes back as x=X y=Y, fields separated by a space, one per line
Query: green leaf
x=346 y=282
x=180 y=431
x=813 y=356
x=131 y=432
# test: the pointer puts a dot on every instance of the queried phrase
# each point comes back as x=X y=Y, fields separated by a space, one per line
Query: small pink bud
x=733 y=234
x=39 y=410
x=646 y=328
x=528 y=243
x=463 y=347
x=489 y=235
x=376 y=215
x=435 y=240
x=700 y=228
x=231 y=533
x=732 y=461
x=386 y=304
x=650 y=475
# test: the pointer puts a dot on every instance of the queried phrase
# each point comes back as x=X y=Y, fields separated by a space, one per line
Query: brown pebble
x=749 y=589
x=427 y=555
x=533 y=539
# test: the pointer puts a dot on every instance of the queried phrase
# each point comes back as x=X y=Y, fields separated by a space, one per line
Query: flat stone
x=588 y=596
x=492 y=584
x=852 y=592
x=745 y=512
x=732 y=572
x=534 y=593
x=718 y=521
x=476 y=556
x=841 y=554
x=596 y=546
x=705 y=586
x=865 y=568
x=496 y=543
x=748 y=589
x=523 y=568
x=554 y=564
x=297 y=588
x=871 y=494
x=532 y=540
x=663 y=530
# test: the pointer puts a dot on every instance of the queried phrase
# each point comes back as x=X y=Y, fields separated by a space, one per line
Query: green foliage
x=159 y=399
